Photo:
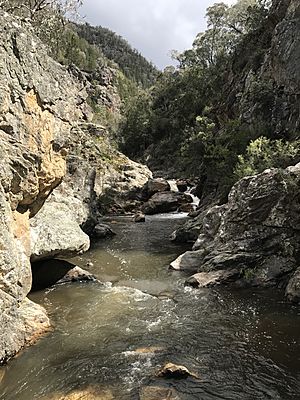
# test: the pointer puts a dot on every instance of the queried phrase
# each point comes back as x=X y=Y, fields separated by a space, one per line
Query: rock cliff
x=54 y=167
x=255 y=236
x=37 y=110
x=263 y=78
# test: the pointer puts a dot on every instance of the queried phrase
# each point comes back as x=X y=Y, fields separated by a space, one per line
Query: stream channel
x=242 y=344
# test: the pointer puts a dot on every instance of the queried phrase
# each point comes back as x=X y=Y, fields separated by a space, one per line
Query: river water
x=242 y=345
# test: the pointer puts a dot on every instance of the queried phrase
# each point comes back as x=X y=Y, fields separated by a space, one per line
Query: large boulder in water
x=139 y=217
x=54 y=232
x=208 y=279
x=257 y=232
x=153 y=186
x=189 y=231
x=164 y=202
x=102 y=231
x=174 y=371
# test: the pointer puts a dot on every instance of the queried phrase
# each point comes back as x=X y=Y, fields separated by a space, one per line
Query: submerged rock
x=2 y=374
x=90 y=393
x=149 y=350
x=158 y=393
x=257 y=232
x=164 y=202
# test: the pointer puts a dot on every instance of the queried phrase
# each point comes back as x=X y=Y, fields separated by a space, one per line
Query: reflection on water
x=243 y=345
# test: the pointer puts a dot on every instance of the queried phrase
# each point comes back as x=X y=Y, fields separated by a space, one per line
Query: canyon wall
x=55 y=165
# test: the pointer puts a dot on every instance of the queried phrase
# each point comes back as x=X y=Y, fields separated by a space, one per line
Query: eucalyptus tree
x=226 y=27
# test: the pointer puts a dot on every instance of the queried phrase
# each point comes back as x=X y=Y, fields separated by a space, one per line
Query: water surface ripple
x=243 y=345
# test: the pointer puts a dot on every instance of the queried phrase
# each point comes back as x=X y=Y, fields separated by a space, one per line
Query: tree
x=48 y=17
x=226 y=28
x=33 y=8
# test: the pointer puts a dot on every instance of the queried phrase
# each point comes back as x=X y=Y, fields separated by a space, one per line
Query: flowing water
x=242 y=345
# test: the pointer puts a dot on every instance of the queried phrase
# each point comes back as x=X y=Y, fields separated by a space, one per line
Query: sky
x=153 y=27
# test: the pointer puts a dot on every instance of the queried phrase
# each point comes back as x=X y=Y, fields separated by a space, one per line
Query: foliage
x=48 y=17
x=226 y=28
x=70 y=48
x=264 y=153
x=133 y=65
x=182 y=123
x=183 y=94
x=33 y=9
x=138 y=115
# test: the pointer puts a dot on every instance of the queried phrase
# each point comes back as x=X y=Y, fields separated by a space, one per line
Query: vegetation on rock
x=211 y=111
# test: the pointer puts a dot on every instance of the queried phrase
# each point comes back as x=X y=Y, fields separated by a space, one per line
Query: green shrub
x=264 y=153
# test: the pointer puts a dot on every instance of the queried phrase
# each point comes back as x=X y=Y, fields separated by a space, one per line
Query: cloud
x=154 y=27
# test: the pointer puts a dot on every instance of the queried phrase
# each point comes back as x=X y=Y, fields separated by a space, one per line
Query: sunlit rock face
x=39 y=104
x=56 y=166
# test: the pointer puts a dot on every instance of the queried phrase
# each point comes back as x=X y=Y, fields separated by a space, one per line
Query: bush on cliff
x=264 y=153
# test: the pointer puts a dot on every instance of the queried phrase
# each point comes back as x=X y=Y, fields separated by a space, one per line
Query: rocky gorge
x=60 y=173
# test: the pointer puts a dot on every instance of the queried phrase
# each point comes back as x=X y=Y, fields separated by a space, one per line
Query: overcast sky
x=154 y=27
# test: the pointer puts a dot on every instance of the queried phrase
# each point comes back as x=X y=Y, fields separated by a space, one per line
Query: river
x=242 y=344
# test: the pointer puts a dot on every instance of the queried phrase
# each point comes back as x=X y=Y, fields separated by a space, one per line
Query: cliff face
x=46 y=137
x=254 y=238
x=263 y=79
x=39 y=103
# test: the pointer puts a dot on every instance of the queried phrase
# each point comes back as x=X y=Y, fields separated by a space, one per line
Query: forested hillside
x=228 y=110
x=115 y=48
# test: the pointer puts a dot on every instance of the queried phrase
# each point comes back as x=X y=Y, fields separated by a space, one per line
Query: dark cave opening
x=47 y=273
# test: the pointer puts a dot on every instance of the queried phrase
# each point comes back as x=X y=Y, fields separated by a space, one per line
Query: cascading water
x=189 y=191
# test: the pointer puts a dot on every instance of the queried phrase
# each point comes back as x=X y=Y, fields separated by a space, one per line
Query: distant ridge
x=116 y=48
